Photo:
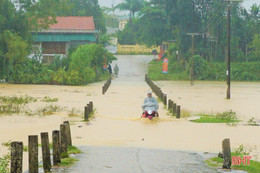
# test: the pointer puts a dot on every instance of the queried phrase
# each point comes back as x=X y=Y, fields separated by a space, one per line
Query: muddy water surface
x=118 y=112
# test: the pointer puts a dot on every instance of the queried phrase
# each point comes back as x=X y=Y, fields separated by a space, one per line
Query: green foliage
x=225 y=117
x=48 y=99
x=160 y=21
x=111 y=20
x=9 y=105
x=48 y=109
x=86 y=8
x=240 y=151
x=246 y=71
x=255 y=48
x=73 y=150
x=155 y=71
x=129 y=35
x=82 y=67
x=133 y=6
x=252 y=122
x=74 y=112
x=4 y=164
x=69 y=161
x=66 y=162
x=64 y=155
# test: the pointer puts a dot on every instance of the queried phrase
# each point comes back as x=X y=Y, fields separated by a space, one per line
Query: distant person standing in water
x=109 y=68
x=116 y=70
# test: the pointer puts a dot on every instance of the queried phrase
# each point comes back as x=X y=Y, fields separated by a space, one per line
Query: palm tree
x=131 y=5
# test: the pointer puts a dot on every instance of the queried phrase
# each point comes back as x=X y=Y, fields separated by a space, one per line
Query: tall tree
x=133 y=6
x=87 y=8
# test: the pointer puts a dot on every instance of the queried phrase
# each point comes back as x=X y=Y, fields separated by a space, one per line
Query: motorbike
x=150 y=114
x=150 y=110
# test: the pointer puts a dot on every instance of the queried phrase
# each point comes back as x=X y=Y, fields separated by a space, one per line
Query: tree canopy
x=164 y=20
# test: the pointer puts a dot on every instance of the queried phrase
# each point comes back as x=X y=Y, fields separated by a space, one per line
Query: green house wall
x=63 y=37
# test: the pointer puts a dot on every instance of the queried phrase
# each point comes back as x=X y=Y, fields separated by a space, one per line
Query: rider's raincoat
x=150 y=103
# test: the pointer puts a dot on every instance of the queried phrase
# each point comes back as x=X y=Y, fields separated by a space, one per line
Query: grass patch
x=25 y=148
x=48 y=110
x=48 y=99
x=73 y=150
x=92 y=114
x=74 y=112
x=4 y=164
x=10 y=105
x=66 y=162
x=252 y=122
x=7 y=144
x=225 y=117
x=18 y=105
x=241 y=151
x=155 y=72
x=254 y=166
x=77 y=91
x=104 y=76
x=185 y=114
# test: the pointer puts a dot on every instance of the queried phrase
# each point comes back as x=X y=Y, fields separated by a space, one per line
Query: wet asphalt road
x=137 y=160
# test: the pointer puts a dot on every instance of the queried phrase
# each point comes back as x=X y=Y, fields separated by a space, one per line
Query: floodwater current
x=118 y=140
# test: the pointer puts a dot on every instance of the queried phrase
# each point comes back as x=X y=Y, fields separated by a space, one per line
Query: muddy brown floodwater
x=117 y=121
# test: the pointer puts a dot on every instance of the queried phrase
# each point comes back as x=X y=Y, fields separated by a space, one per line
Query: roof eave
x=67 y=31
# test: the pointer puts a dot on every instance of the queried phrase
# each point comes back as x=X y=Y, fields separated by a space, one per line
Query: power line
x=218 y=12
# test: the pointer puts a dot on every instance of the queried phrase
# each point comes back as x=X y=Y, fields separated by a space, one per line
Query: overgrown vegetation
x=48 y=99
x=252 y=122
x=49 y=109
x=74 y=112
x=161 y=21
x=84 y=65
x=14 y=104
x=19 y=105
x=66 y=162
x=240 y=151
x=92 y=114
x=73 y=150
x=225 y=117
x=20 y=18
x=203 y=70
x=4 y=164
x=66 y=159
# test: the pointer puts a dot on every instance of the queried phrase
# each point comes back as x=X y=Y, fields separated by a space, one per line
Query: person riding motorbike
x=150 y=105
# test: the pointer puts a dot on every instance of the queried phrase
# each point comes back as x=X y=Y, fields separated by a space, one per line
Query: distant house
x=122 y=24
x=68 y=32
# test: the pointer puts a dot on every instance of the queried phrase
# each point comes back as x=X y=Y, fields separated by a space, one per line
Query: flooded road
x=209 y=97
x=117 y=121
x=137 y=160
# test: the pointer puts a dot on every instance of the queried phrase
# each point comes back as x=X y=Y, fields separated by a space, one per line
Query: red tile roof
x=74 y=23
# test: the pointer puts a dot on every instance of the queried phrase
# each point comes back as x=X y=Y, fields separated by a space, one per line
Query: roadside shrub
x=4 y=164
x=202 y=70
x=227 y=116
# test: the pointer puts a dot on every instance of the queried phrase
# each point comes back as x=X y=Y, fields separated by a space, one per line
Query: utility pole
x=192 y=59
x=228 y=47
x=228 y=51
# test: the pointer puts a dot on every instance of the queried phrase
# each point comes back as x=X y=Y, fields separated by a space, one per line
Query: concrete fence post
x=33 y=154
x=178 y=112
x=56 y=147
x=86 y=113
x=46 y=156
x=226 y=154
x=63 y=139
x=174 y=108
x=165 y=99
x=68 y=132
x=16 y=157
